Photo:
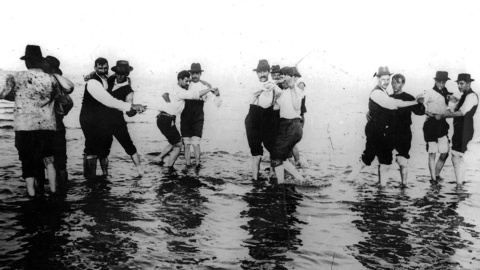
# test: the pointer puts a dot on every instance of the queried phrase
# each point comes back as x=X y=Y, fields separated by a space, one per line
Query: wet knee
x=402 y=161
x=444 y=156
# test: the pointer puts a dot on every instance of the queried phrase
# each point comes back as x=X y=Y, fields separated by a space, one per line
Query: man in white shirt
x=96 y=101
x=192 y=118
x=435 y=131
x=379 y=129
x=462 y=124
x=290 y=130
x=261 y=122
x=170 y=109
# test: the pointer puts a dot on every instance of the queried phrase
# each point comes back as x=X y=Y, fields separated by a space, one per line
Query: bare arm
x=65 y=83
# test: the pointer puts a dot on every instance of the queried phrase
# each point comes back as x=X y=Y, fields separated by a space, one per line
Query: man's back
x=34 y=108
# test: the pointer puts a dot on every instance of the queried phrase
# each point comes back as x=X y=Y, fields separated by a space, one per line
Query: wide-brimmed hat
x=442 y=76
x=32 y=52
x=196 y=68
x=54 y=64
x=122 y=66
x=275 y=69
x=382 y=71
x=464 y=77
x=288 y=71
x=262 y=66
x=296 y=73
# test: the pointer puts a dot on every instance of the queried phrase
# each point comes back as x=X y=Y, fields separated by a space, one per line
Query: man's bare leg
x=175 y=153
x=196 y=149
x=164 y=153
x=104 y=166
x=382 y=174
x=188 y=154
x=431 y=165
x=256 y=166
x=458 y=167
x=290 y=168
x=403 y=164
x=280 y=173
x=136 y=161
x=30 y=181
x=440 y=162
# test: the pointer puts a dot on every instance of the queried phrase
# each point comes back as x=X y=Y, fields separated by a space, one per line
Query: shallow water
x=215 y=217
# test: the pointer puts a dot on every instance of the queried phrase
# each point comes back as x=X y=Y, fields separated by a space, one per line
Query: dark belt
x=165 y=114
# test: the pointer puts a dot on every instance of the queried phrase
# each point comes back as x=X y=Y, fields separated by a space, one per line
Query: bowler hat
x=122 y=66
x=32 y=52
x=262 y=65
x=196 y=68
x=464 y=77
x=442 y=76
x=275 y=69
x=382 y=71
x=54 y=64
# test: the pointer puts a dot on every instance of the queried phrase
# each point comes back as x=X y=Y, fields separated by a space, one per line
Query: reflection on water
x=273 y=229
x=401 y=231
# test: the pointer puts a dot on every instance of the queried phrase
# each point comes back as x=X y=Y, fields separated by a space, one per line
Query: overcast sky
x=159 y=38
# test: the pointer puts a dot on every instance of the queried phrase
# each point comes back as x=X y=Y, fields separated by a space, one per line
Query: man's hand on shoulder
x=166 y=97
x=88 y=76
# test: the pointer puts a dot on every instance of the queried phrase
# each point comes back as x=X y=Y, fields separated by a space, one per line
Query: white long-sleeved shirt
x=97 y=90
x=384 y=100
x=177 y=100
x=262 y=94
x=199 y=87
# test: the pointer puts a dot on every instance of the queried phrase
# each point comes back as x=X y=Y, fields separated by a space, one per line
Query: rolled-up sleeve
x=470 y=101
x=384 y=100
x=95 y=88
x=187 y=94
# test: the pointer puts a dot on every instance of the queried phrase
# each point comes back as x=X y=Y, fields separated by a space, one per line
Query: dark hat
x=442 y=76
x=296 y=73
x=122 y=67
x=196 y=68
x=275 y=69
x=54 y=64
x=288 y=71
x=32 y=52
x=464 y=77
x=262 y=66
x=382 y=71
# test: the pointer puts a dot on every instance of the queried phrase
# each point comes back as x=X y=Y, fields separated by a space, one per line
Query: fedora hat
x=32 y=52
x=275 y=69
x=196 y=68
x=464 y=77
x=262 y=66
x=122 y=66
x=382 y=71
x=54 y=64
x=442 y=76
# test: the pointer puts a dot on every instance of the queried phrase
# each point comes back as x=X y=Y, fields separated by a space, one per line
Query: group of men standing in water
x=389 y=120
x=274 y=121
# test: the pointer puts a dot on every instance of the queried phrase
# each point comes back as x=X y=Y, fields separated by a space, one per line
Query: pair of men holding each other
x=39 y=130
x=278 y=132
x=187 y=99
x=101 y=117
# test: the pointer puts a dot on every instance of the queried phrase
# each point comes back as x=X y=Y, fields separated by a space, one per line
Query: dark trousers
x=379 y=144
x=32 y=147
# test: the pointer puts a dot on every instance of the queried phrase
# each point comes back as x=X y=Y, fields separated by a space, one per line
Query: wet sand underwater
x=216 y=217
